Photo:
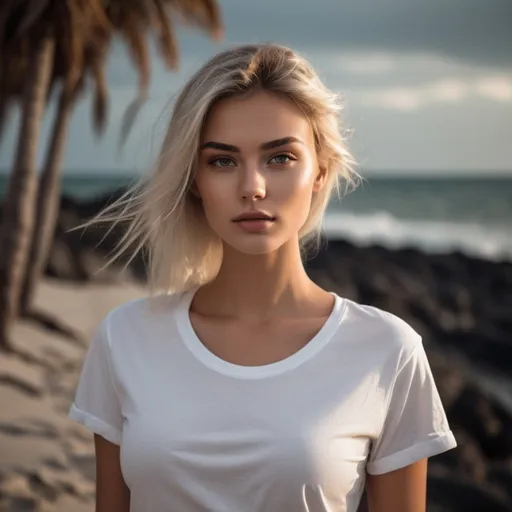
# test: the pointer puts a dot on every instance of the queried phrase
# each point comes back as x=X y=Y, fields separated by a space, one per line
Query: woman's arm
x=112 y=493
x=403 y=490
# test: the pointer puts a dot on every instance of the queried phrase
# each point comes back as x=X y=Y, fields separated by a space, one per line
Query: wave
x=492 y=242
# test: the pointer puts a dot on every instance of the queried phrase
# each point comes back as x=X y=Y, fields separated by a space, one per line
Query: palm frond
x=33 y=11
x=11 y=15
x=100 y=92
x=213 y=18
x=95 y=10
x=166 y=36
x=73 y=30
x=129 y=118
x=204 y=14
x=134 y=33
x=6 y=27
x=4 y=113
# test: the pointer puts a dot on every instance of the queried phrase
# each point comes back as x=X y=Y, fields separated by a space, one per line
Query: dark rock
x=449 y=492
x=467 y=459
x=501 y=475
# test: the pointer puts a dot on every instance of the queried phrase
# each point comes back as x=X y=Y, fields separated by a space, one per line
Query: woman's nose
x=253 y=186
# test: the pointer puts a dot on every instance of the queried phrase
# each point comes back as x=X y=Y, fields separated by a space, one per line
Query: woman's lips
x=255 y=225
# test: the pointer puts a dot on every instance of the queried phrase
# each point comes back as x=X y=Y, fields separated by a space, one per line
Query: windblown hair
x=166 y=221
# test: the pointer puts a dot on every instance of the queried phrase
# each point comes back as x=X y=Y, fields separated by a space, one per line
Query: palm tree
x=56 y=29
x=18 y=218
x=47 y=37
x=95 y=50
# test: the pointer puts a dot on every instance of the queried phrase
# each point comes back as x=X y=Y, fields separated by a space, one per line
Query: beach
x=47 y=460
x=460 y=305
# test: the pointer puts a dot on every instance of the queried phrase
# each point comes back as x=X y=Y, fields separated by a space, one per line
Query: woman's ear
x=194 y=190
x=320 y=179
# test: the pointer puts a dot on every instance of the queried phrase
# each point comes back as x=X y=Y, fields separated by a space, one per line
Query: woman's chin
x=255 y=245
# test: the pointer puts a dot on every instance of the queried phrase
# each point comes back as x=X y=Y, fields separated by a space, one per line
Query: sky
x=427 y=86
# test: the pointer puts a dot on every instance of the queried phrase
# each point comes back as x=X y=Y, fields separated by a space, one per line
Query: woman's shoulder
x=143 y=310
x=380 y=328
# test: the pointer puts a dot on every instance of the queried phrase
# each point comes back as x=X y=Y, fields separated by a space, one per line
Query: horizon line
x=374 y=174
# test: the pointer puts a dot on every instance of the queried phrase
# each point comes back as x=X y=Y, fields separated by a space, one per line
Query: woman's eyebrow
x=220 y=146
x=265 y=145
x=280 y=142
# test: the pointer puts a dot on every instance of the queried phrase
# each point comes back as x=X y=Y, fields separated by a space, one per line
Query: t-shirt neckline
x=216 y=363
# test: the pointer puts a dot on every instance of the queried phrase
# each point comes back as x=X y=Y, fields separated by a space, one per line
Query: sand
x=46 y=460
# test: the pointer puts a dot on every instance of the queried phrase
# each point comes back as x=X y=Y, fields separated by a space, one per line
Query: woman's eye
x=281 y=159
x=222 y=162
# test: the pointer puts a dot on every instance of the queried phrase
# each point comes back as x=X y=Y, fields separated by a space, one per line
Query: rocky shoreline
x=462 y=307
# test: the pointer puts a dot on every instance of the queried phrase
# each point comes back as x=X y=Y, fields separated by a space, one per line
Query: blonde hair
x=163 y=217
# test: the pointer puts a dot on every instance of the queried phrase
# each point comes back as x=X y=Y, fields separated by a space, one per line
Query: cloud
x=494 y=89
x=451 y=90
x=362 y=63
x=498 y=88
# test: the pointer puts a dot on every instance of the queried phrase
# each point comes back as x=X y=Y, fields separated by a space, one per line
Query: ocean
x=473 y=215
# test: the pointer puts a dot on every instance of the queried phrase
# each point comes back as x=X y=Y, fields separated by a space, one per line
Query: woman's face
x=257 y=158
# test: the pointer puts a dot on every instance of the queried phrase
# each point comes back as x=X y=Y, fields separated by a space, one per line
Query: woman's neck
x=259 y=286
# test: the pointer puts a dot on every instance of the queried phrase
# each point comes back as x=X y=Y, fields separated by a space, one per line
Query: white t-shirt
x=200 y=434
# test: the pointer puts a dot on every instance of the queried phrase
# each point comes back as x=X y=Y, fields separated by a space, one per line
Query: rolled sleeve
x=96 y=404
x=415 y=426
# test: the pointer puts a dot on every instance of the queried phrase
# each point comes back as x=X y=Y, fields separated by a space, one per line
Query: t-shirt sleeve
x=96 y=404
x=415 y=426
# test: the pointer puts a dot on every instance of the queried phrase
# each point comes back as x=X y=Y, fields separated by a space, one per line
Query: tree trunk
x=18 y=214
x=48 y=201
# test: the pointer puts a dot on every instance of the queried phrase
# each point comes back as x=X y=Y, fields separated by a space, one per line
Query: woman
x=245 y=386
